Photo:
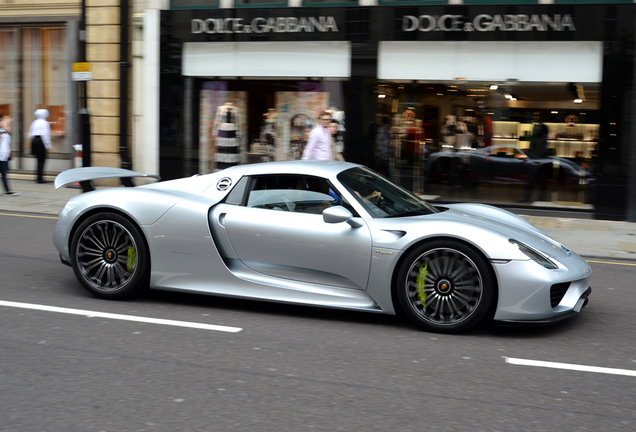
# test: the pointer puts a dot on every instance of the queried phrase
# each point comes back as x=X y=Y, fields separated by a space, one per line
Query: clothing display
x=268 y=131
x=338 y=116
x=228 y=136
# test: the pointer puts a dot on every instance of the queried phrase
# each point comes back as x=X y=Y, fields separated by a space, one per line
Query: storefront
x=35 y=63
x=445 y=100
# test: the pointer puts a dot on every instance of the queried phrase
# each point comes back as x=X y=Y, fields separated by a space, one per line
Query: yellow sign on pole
x=81 y=67
x=81 y=71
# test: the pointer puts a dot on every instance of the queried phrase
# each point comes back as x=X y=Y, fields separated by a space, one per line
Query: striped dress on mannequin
x=228 y=137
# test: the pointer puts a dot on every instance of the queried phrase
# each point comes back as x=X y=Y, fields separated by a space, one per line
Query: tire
x=110 y=257
x=445 y=286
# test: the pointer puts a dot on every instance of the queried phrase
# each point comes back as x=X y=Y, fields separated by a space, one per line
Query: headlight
x=534 y=255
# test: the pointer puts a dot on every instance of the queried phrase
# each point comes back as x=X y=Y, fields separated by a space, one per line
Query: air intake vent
x=557 y=291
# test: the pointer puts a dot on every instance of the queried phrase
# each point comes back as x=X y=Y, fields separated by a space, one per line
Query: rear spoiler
x=85 y=176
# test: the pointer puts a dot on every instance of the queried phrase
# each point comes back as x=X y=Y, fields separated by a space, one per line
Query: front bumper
x=580 y=304
x=526 y=290
x=65 y=261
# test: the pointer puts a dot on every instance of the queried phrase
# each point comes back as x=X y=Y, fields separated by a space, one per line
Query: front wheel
x=110 y=257
x=445 y=286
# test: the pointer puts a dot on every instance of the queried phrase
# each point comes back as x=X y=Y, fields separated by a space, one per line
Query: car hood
x=507 y=224
x=488 y=228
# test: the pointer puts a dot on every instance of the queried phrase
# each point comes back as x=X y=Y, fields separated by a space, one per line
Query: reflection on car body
x=502 y=164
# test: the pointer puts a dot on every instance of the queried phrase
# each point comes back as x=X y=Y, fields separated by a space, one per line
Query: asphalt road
x=293 y=368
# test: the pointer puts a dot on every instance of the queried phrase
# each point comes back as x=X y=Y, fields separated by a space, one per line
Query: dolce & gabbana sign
x=322 y=24
x=488 y=23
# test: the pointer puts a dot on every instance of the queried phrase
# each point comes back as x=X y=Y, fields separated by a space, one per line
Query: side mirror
x=338 y=214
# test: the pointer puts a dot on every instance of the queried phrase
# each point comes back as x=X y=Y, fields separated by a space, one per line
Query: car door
x=279 y=231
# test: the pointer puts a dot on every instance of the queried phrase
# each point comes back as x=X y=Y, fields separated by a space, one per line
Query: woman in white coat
x=40 y=134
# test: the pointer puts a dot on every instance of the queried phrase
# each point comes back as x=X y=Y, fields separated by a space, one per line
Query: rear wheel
x=110 y=257
x=445 y=286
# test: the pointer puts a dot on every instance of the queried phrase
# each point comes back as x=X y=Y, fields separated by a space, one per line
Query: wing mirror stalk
x=338 y=214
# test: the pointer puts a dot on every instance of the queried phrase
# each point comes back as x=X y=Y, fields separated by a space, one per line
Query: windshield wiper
x=420 y=212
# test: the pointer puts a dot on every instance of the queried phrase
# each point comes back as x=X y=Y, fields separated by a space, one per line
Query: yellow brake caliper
x=420 y=282
x=132 y=258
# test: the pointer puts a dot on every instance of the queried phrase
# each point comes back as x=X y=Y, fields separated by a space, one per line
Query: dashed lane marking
x=612 y=263
x=29 y=216
x=95 y=314
x=568 y=366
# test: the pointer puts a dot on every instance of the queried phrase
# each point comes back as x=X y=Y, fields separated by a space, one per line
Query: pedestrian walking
x=5 y=157
x=319 y=143
x=40 y=134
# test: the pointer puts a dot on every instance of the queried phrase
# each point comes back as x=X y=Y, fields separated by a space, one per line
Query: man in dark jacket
x=538 y=171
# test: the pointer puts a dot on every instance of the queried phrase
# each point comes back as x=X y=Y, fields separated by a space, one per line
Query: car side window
x=294 y=193
x=237 y=194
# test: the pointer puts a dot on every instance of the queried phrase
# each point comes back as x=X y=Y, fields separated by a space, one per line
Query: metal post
x=123 y=89
x=84 y=115
x=85 y=122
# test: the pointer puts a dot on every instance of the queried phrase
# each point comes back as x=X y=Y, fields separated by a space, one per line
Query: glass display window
x=545 y=134
x=273 y=121
x=46 y=80
x=34 y=66
x=9 y=88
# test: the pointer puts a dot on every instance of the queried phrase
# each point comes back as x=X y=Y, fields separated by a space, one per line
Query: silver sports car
x=330 y=234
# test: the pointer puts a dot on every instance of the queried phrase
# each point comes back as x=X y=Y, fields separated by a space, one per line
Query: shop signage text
x=265 y=25
x=487 y=23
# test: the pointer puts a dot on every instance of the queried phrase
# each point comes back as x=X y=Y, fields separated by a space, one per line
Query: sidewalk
x=589 y=238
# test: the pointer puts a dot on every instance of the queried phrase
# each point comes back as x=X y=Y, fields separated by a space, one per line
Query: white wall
x=268 y=59
x=146 y=95
x=496 y=61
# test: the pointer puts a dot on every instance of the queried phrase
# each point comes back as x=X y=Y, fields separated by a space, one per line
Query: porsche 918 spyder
x=329 y=234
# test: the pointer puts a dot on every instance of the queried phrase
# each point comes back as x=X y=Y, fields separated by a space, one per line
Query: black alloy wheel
x=110 y=257
x=445 y=286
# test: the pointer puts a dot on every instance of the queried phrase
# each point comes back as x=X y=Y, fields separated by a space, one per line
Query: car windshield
x=380 y=197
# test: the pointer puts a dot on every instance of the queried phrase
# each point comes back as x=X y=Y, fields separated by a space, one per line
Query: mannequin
x=268 y=131
x=228 y=136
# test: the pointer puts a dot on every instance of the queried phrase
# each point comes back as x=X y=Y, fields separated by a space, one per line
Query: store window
x=260 y=3
x=9 y=89
x=193 y=4
x=323 y=3
x=490 y=141
x=45 y=79
x=248 y=121
x=33 y=62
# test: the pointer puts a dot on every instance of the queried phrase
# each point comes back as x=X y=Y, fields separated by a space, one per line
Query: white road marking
x=95 y=314
x=568 y=366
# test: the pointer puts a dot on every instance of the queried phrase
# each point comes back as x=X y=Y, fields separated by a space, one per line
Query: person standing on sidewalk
x=5 y=157
x=40 y=134
x=319 y=143
x=537 y=172
x=333 y=129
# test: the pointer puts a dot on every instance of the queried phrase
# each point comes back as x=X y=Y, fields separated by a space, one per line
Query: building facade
x=441 y=98
x=40 y=41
